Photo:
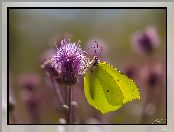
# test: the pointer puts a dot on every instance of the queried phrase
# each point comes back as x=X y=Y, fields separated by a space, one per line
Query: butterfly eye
x=96 y=58
x=96 y=61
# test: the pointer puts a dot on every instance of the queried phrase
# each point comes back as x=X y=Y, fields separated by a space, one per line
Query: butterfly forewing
x=128 y=87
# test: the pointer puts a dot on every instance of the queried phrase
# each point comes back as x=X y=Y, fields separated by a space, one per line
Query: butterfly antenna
x=97 y=50
x=100 y=50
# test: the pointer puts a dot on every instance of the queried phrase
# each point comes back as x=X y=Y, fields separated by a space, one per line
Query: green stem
x=13 y=116
x=69 y=116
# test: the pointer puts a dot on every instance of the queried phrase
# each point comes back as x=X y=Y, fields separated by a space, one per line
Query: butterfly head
x=96 y=60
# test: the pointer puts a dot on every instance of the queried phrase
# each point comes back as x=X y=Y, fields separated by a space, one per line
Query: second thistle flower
x=146 y=41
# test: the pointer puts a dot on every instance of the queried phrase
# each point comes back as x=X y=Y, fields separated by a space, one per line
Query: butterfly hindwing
x=101 y=90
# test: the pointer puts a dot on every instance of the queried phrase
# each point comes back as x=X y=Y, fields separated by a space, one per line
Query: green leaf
x=107 y=89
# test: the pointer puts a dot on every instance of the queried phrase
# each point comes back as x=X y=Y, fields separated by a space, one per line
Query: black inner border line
x=8 y=8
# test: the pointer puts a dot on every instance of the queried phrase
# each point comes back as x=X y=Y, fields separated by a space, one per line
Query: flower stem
x=35 y=114
x=58 y=93
x=69 y=94
x=59 y=96
x=14 y=118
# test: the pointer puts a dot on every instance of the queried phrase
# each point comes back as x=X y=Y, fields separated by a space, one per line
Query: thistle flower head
x=70 y=60
x=146 y=41
x=130 y=71
x=152 y=74
x=29 y=81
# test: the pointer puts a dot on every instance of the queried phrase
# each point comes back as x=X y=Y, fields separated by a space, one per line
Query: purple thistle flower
x=29 y=94
x=130 y=71
x=70 y=61
x=29 y=81
x=146 y=41
x=151 y=74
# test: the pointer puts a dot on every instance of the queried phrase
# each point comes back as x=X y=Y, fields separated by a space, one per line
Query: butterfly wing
x=102 y=91
x=128 y=87
x=107 y=89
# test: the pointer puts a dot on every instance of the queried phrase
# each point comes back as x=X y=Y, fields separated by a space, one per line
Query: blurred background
x=133 y=40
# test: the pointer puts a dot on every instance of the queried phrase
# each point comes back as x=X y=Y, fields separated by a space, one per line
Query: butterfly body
x=94 y=62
